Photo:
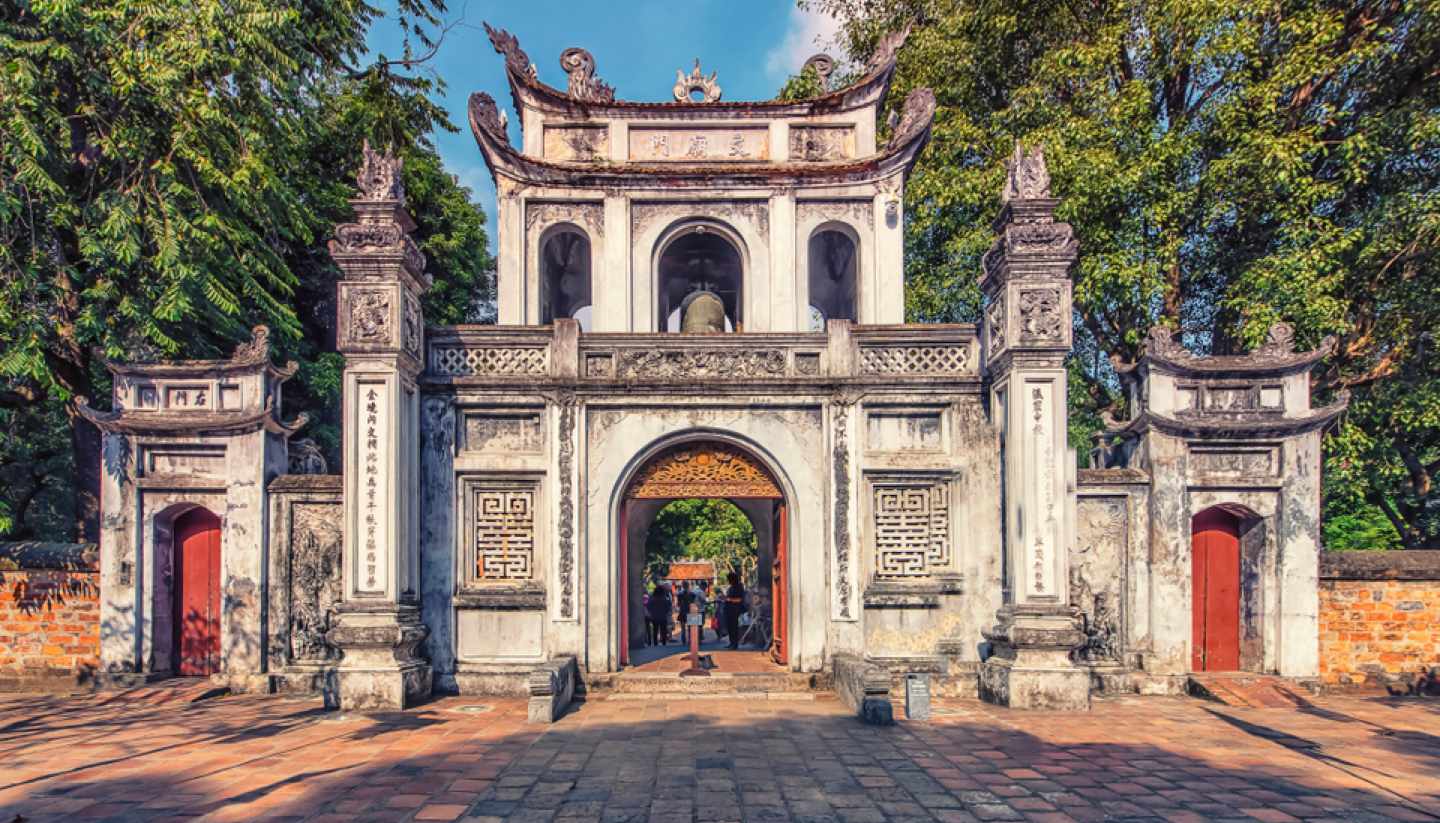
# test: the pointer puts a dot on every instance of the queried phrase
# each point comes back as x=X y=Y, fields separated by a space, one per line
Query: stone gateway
x=705 y=298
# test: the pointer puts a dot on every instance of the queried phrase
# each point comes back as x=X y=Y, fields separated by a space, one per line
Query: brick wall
x=1379 y=615
x=49 y=615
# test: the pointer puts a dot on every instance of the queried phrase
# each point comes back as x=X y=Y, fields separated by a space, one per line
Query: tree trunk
x=85 y=450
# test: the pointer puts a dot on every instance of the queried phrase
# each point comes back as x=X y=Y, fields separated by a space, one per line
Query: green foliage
x=701 y=529
x=1226 y=164
x=170 y=174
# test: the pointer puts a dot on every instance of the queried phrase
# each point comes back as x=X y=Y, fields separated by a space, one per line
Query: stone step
x=718 y=684
x=1254 y=691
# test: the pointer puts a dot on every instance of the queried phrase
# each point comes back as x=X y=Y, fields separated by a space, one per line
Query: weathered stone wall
x=1377 y=615
x=49 y=615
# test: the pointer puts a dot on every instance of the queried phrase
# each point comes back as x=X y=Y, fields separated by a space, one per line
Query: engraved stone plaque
x=691 y=145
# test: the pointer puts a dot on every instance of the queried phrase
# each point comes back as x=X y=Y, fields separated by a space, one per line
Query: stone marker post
x=380 y=331
x=1027 y=334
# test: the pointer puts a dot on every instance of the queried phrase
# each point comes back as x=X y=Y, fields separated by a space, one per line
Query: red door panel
x=1216 y=598
x=779 y=588
x=625 y=584
x=197 y=594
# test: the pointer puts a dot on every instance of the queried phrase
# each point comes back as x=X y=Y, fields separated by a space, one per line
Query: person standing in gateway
x=734 y=605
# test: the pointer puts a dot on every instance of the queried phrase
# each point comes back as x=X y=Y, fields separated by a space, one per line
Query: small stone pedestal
x=382 y=668
x=1030 y=666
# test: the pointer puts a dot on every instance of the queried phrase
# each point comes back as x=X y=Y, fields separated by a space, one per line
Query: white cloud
x=807 y=33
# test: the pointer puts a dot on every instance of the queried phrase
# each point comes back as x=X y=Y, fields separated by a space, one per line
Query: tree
x=1226 y=164
x=170 y=173
x=702 y=529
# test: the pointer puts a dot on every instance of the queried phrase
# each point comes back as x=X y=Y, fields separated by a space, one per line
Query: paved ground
x=153 y=756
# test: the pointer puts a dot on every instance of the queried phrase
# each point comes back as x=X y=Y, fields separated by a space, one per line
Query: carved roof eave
x=191 y=423
x=1229 y=428
x=529 y=92
x=183 y=369
x=1245 y=365
x=504 y=161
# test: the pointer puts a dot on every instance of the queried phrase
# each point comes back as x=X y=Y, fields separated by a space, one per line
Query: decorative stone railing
x=844 y=351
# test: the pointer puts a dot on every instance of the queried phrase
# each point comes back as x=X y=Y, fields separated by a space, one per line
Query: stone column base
x=382 y=667
x=1029 y=666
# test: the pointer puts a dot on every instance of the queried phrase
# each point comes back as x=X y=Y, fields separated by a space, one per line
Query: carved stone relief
x=370 y=316
x=582 y=144
x=755 y=213
x=811 y=144
x=1235 y=462
x=567 y=504
x=1097 y=570
x=1040 y=316
x=662 y=364
x=504 y=432
x=546 y=214
x=412 y=327
x=995 y=325
x=853 y=213
x=503 y=529
x=911 y=524
x=1026 y=175
x=315 y=579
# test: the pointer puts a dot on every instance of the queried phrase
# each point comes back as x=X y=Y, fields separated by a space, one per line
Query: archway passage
x=1215 y=597
x=703 y=474
x=699 y=259
x=197 y=593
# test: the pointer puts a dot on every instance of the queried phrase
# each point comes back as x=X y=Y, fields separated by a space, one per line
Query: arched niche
x=833 y=264
x=566 y=282
x=699 y=255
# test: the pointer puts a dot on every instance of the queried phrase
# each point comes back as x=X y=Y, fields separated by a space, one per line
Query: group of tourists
x=665 y=611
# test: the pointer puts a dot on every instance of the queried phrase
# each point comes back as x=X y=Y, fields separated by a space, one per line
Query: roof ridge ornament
x=579 y=65
x=1026 y=175
x=254 y=350
x=888 y=47
x=516 y=60
x=379 y=175
x=824 y=66
x=696 y=81
x=916 y=115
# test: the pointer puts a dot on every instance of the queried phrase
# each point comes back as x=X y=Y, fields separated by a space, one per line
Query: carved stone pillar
x=380 y=331
x=1027 y=334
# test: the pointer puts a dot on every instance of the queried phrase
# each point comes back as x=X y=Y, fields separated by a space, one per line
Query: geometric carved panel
x=503 y=530
x=911 y=527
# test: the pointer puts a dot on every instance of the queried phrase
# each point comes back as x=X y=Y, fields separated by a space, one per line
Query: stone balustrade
x=860 y=353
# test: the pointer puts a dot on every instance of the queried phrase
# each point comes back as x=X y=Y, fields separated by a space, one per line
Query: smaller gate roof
x=691 y=570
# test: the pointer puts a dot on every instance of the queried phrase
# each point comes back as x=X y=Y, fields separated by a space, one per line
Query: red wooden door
x=624 y=584
x=1215 y=550
x=779 y=588
x=197 y=594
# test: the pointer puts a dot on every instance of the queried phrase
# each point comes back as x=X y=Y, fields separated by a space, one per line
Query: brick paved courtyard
x=153 y=755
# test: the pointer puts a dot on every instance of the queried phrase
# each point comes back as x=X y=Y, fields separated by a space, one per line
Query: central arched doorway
x=706 y=470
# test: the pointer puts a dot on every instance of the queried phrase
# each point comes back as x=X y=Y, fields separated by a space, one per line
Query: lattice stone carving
x=465 y=361
x=504 y=532
x=915 y=360
x=912 y=528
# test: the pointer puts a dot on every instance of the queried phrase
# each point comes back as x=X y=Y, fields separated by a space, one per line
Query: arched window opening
x=832 y=277
x=565 y=289
x=696 y=265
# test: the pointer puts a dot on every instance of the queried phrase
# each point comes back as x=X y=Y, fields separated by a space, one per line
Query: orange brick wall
x=49 y=628
x=1373 y=627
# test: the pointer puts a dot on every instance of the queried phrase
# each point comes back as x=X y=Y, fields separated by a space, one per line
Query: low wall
x=1379 y=616
x=49 y=616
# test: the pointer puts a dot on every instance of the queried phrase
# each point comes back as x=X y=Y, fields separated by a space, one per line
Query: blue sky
x=638 y=45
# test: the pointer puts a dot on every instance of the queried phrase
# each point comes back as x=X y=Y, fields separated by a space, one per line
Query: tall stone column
x=1027 y=334
x=379 y=330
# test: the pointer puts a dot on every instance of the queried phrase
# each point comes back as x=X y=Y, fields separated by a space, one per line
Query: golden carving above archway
x=703 y=470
